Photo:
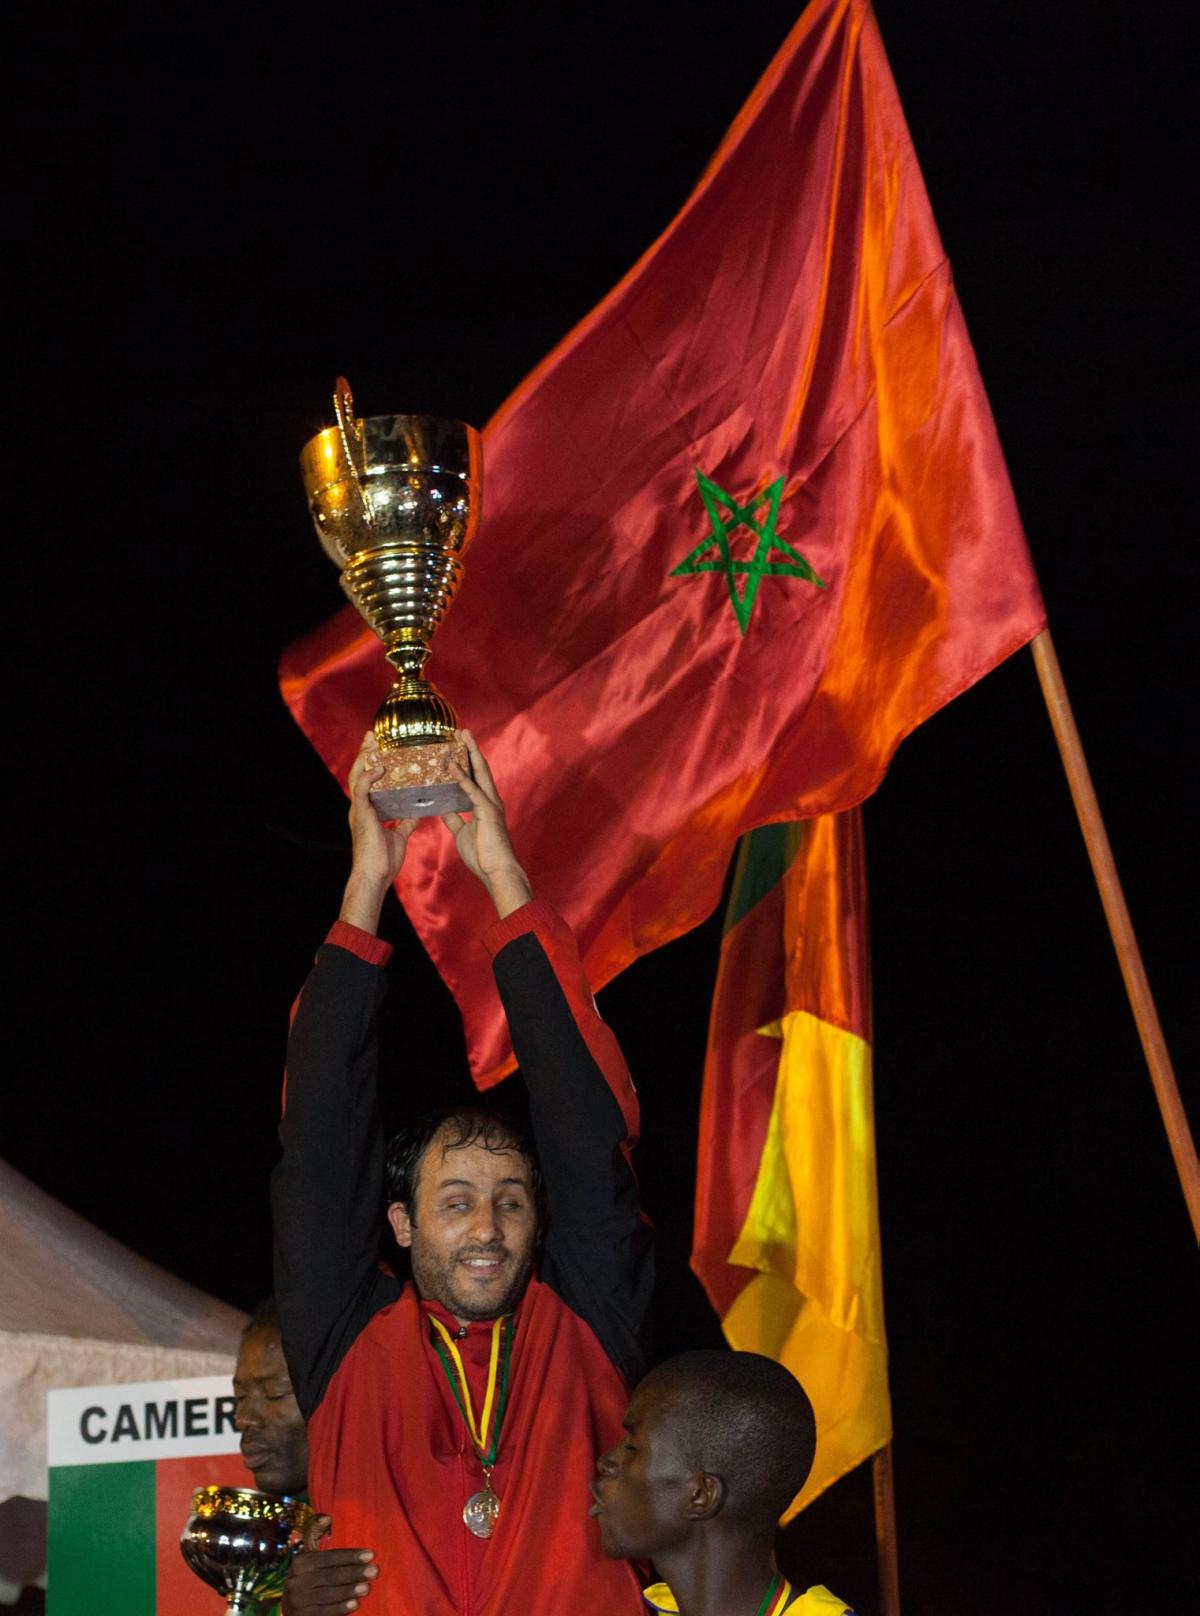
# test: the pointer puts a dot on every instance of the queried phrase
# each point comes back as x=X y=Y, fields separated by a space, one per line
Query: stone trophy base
x=418 y=782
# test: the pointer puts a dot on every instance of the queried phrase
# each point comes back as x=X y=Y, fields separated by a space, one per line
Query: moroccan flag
x=745 y=528
x=786 y=1239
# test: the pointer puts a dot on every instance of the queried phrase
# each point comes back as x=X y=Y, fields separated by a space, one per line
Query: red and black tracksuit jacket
x=390 y=1458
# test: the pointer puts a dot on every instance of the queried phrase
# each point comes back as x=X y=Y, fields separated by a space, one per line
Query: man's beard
x=447 y=1282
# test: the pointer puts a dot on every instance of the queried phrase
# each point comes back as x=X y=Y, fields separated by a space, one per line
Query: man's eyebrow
x=471 y=1184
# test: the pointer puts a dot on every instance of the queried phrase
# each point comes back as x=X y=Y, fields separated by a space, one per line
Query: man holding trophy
x=453 y=1420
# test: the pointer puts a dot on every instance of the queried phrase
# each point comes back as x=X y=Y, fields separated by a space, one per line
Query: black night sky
x=215 y=217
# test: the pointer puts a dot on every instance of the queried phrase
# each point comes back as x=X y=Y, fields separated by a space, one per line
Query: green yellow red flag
x=743 y=529
x=786 y=1237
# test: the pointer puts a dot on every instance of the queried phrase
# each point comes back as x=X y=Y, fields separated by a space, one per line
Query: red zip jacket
x=390 y=1459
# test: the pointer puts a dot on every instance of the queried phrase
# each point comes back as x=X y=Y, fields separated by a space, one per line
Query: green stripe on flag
x=762 y=859
x=100 y=1554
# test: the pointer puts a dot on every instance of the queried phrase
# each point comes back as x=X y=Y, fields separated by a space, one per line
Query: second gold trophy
x=395 y=500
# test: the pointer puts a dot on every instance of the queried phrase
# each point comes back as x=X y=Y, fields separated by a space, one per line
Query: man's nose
x=606 y=1464
x=484 y=1225
x=246 y=1415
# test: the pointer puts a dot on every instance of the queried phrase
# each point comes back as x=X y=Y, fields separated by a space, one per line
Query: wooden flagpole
x=1120 y=927
x=1145 y=1015
x=885 y=1532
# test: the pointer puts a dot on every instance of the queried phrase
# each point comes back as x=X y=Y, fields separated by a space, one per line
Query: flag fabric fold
x=786 y=1235
x=744 y=528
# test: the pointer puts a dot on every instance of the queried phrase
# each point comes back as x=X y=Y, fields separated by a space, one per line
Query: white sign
x=152 y=1419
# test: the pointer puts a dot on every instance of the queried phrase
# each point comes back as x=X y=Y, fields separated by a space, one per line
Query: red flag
x=745 y=528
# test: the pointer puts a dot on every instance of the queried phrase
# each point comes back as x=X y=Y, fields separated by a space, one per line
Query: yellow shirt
x=817 y=1601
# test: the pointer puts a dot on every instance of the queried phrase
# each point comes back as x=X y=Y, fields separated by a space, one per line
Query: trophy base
x=417 y=782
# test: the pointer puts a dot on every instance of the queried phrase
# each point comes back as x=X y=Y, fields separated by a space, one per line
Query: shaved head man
x=717 y=1444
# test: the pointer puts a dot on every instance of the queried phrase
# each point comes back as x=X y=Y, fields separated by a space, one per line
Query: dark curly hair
x=464 y=1125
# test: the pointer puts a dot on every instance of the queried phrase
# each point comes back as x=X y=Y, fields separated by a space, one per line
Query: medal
x=482 y=1510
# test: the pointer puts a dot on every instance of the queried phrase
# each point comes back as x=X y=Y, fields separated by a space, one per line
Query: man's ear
x=706 y=1497
x=402 y=1227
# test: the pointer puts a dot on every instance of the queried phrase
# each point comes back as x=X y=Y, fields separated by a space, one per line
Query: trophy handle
x=348 y=432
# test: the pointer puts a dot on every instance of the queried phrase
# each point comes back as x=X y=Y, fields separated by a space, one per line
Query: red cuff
x=525 y=919
x=363 y=945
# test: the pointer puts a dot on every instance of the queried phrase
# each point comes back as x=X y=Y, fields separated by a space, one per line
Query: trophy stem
x=409 y=657
x=414 y=713
x=244 y=1598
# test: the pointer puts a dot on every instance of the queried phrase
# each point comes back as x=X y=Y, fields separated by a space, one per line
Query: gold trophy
x=395 y=500
x=242 y=1542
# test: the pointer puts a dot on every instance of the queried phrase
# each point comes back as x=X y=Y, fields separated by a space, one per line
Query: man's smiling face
x=474 y=1232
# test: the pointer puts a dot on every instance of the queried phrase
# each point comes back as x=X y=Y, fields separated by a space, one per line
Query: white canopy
x=79 y=1309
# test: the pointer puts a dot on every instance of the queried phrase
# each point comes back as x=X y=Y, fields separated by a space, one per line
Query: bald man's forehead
x=659 y=1397
x=657 y=1419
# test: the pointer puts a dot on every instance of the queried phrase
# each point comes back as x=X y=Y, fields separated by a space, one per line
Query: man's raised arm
x=326 y=1191
x=598 y=1252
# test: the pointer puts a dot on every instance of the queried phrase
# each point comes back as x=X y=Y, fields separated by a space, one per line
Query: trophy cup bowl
x=395 y=500
x=241 y=1542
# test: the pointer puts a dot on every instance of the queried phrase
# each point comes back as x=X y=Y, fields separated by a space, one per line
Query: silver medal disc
x=481 y=1512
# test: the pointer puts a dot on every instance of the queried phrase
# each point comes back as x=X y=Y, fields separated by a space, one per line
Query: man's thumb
x=317 y=1528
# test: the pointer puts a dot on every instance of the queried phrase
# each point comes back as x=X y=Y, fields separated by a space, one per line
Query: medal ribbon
x=484 y=1433
x=785 y=1593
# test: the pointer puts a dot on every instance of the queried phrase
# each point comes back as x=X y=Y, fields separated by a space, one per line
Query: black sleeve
x=326 y=1193
x=598 y=1252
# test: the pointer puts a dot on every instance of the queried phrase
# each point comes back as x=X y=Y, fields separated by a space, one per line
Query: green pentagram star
x=714 y=498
